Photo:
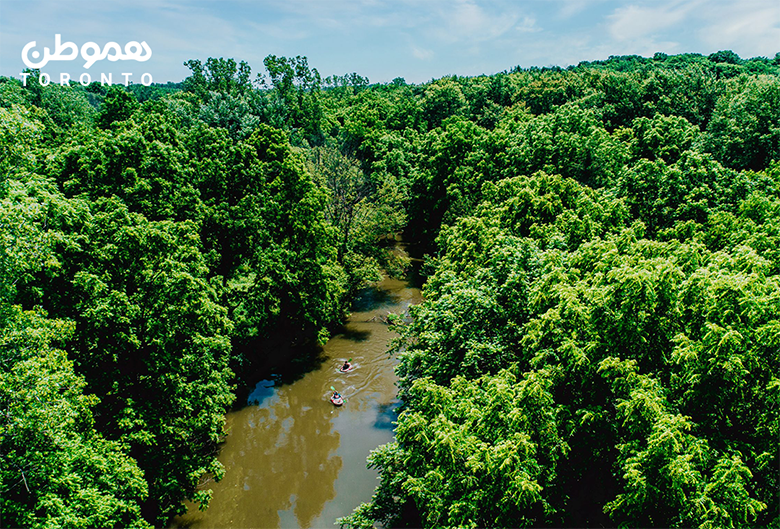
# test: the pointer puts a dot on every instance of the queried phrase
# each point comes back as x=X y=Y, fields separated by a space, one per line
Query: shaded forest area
x=599 y=343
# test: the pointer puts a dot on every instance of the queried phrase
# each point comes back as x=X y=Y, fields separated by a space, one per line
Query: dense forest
x=599 y=343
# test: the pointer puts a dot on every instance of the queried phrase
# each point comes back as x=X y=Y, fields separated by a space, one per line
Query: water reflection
x=386 y=415
x=292 y=458
x=263 y=390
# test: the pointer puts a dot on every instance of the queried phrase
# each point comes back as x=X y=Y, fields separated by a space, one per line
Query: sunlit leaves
x=656 y=355
x=478 y=443
x=56 y=470
x=745 y=129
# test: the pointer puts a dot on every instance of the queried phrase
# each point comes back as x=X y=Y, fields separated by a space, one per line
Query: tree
x=221 y=75
x=56 y=470
x=362 y=209
x=442 y=99
x=21 y=133
x=296 y=92
x=118 y=105
x=744 y=132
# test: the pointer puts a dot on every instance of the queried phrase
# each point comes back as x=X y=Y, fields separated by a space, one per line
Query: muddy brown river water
x=292 y=459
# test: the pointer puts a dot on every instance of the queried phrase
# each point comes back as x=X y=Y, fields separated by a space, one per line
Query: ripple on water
x=292 y=458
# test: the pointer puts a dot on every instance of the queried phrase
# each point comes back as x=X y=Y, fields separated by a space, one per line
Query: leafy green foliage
x=601 y=312
x=598 y=342
x=362 y=211
x=744 y=132
x=118 y=105
x=217 y=75
x=650 y=352
x=175 y=237
x=295 y=90
x=20 y=135
x=56 y=470
x=154 y=342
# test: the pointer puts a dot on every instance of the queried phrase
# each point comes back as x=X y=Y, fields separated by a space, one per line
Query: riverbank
x=294 y=460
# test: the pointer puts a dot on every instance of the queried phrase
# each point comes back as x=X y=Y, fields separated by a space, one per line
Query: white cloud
x=458 y=19
x=750 y=28
x=574 y=7
x=466 y=20
x=422 y=53
x=415 y=39
x=339 y=14
x=528 y=25
x=639 y=21
x=280 y=31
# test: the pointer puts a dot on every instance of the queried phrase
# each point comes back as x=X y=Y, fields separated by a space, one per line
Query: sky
x=418 y=40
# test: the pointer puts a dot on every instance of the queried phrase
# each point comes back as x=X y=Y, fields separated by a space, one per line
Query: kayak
x=337 y=401
x=350 y=368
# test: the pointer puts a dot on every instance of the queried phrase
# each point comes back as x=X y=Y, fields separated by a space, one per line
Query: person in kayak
x=347 y=366
x=336 y=398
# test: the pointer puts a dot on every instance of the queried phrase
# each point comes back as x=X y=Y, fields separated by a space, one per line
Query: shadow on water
x=370 y=298
x=293 y=459
x=186 y=524
x=415 y=275
x=355 y=335
x=387 y=414
x=278 y=362
x=263 y=390
x=298 y=366
x=276 y=359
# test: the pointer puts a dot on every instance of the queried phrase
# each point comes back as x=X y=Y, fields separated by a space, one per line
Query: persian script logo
x=90 y=52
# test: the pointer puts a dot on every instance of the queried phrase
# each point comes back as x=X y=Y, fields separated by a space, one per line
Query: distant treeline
x=599 y=339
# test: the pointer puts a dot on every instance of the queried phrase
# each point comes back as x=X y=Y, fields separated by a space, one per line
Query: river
x=292 y=459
